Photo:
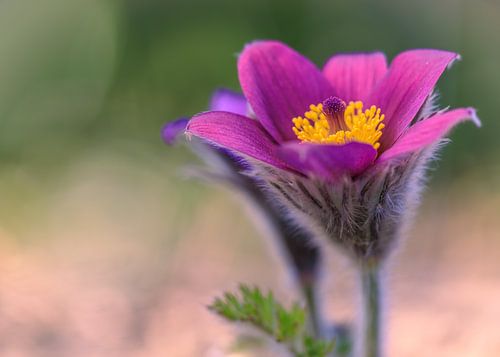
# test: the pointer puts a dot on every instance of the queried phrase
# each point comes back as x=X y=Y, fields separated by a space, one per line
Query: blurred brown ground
x=122 y=269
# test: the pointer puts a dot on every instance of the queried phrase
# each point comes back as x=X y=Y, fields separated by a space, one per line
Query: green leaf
x=262 y=311
x=317 y=348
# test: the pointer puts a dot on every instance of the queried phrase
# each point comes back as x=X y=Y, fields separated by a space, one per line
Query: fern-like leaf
x=262 y=311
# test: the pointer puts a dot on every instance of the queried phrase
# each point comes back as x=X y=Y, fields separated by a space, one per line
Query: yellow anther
x=362 y=126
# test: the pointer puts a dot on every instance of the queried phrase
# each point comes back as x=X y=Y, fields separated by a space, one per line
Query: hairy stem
x=371 y=299
x=311 y=299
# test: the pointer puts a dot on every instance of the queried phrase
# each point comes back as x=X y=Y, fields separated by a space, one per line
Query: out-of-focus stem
x=302 y=256
x=315 y=319
x=371 y=319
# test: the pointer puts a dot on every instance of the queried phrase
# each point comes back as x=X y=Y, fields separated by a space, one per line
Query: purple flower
x=345 y=147
x=353 y=115
x=171 y=131
x=222 y=166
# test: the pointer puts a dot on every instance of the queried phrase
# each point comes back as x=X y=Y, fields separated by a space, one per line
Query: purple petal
x=403 y=90
x=280 y=84
x=353 y=76
x=328 y=161
x=225 y=100
x=236 y=132
x=171 y=131
x=429 y=131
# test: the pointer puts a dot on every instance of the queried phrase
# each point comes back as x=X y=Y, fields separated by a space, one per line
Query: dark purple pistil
x=333 y=106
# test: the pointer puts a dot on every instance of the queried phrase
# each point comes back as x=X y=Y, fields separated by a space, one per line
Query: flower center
x=332 y=122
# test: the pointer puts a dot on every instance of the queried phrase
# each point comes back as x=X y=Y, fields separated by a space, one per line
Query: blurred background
x=106 y=251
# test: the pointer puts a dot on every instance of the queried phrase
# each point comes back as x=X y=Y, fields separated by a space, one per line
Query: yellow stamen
x=363 y=126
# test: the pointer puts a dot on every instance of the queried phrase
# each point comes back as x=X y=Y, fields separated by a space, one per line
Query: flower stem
x=311 y=299
x=372 y=324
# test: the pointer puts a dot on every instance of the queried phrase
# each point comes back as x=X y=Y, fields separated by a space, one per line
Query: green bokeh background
x=103 y=76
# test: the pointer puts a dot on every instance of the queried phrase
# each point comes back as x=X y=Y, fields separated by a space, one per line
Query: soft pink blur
x=121 y=269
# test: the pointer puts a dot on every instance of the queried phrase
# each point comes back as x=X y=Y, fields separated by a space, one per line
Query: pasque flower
x=222 y=166
x=344 y=146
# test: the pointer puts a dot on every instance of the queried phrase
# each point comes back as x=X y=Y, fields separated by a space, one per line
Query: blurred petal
x=403 y=90
x=428 y=131
x=173 y=129
x=328 y=161
x=353 y=76
x=225 y=100
x=280 y=84
x=236 y=132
